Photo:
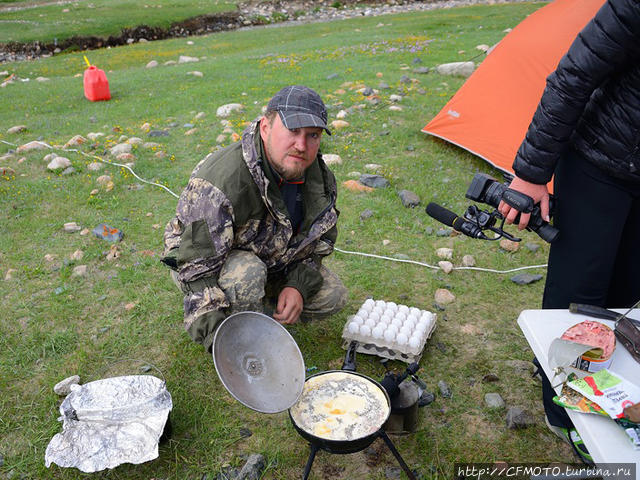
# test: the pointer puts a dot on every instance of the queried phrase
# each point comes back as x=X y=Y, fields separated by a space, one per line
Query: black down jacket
x=591 y=101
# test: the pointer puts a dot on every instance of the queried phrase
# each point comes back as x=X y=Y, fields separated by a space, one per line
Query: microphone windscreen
x=441 y=214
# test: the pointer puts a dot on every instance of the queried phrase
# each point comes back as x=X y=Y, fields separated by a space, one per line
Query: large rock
x=253 y=468
x=32 y=146
x=374 y=181
x=121 y=148
x=187 y=59
x=63 y=387
x=444 y=296
x=409 y=199
x=17 y=129
x=227 y=110
x=75 y=141
x=518 y=417
x=332 y=159
x=58 y=163
x=460 y=69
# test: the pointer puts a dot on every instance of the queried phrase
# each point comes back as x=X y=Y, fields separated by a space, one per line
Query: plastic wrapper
x=109 y=422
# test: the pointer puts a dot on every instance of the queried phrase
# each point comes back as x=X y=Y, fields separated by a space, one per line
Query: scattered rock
x=525 y=278
x=395 y=98
x=366 y=214
x=187 y=59
x=341 y=114
x=252 y=469
x=103 y=180
x=17 y=129
x=490 y=377
x=468 y=261
x=125 y=157
x=493 y=400
x=9 y=274
x=227 y=110
x=32 y=146
x=108 y=233
x=71 y=227
x=445 y=391
x=77 y=255
x=63 y=388
x=421 y=70
x=58 y=163
x=374 y=181
x=509 y=246
x=121 y=148
x=395 y=108
x=75 y=141
x=517 y=417
x=135 y=141
x=373 y=167
x=386 y=242
x=49 y=257
x=409 y=199
x=150 y=145
x=332 y=159
x=446 y=253
x=158 y=133
x=93 y=136
x=152 y=64
x=79 y=271
x=196 y=73
x=191 y=131
x=461 y=69
x=426 y=398
x=95 y=166
x=444 y=232
x=356 y=186
x=444 y=296
x=532 y=247
x=130 y=306
x=114 y=252
x=339 y=124
x=446 y=266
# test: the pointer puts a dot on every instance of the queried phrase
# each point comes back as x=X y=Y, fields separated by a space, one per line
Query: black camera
x=485 y=189
x=475 y=221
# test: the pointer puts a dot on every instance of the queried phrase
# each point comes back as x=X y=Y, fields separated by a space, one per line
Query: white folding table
x=606 y=441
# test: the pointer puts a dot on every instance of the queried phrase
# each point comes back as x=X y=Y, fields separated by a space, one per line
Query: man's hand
x=538 y=193
x=289 y=306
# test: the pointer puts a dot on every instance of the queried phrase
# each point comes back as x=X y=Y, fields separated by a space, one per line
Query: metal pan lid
x=258 y=362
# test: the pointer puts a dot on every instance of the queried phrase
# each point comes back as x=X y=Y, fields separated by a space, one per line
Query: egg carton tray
x=388 y=330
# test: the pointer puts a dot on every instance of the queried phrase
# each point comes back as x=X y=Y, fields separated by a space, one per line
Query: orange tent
x=490 y=113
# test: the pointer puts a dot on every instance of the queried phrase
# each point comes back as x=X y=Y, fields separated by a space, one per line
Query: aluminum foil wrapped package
x=109 y=422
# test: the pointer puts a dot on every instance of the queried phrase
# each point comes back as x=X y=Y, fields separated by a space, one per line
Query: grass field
x=55 y=21
x=56 y=324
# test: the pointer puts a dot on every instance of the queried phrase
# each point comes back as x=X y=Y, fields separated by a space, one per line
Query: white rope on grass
x=100 y=160
x=370 y=255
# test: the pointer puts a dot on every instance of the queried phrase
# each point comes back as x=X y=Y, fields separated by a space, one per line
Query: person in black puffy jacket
x=586 y=132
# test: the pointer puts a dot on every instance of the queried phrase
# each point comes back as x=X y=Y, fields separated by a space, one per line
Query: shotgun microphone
x=452 y=220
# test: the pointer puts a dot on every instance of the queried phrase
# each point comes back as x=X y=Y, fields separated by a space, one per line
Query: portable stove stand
x=380 y=433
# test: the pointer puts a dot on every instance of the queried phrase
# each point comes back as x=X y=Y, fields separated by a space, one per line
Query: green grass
x=55 y=324
x=101 y=18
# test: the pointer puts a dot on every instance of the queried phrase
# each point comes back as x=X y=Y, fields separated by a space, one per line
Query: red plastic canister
x=96 y=85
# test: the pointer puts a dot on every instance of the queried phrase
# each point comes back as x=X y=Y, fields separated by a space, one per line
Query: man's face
x=290 y=152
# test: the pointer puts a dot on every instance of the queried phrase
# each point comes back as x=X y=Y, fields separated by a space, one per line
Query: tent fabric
x=490 y=113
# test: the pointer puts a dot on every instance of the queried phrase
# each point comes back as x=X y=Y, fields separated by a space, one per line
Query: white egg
x=425 y=315
x=424 y=322
x=387 y=314
x=389 y=335
x=409 y=322
x=377 y=310
x=365 y=330
x=381 y=303
x=415 y=311
x=358 y=319
x=397 y=322
x=353 y=327
x=406 y=330
x=413 y=317
x=370 y=322
x=401 y=339
x=420 y=328
x=400 y=316
x=414 y=342
x=363 y=313
x=377 y=332
x=374 y=316
x=366 y=307
x=392 y=328
x=392 y=305
x=403 y=309
x=369 y=302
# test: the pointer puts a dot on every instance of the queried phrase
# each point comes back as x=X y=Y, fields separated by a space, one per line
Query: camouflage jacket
x=229 y=203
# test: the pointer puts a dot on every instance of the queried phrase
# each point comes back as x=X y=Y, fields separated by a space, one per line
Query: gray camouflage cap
x=299 y=107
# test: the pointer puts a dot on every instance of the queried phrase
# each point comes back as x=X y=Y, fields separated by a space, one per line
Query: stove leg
x=396 y=454
x=307 y=468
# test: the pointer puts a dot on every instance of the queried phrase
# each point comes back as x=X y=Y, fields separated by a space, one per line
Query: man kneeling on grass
x=255 y=221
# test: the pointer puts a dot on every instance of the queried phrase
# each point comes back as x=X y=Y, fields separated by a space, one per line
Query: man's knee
x=331 y=298
x=242 y=278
